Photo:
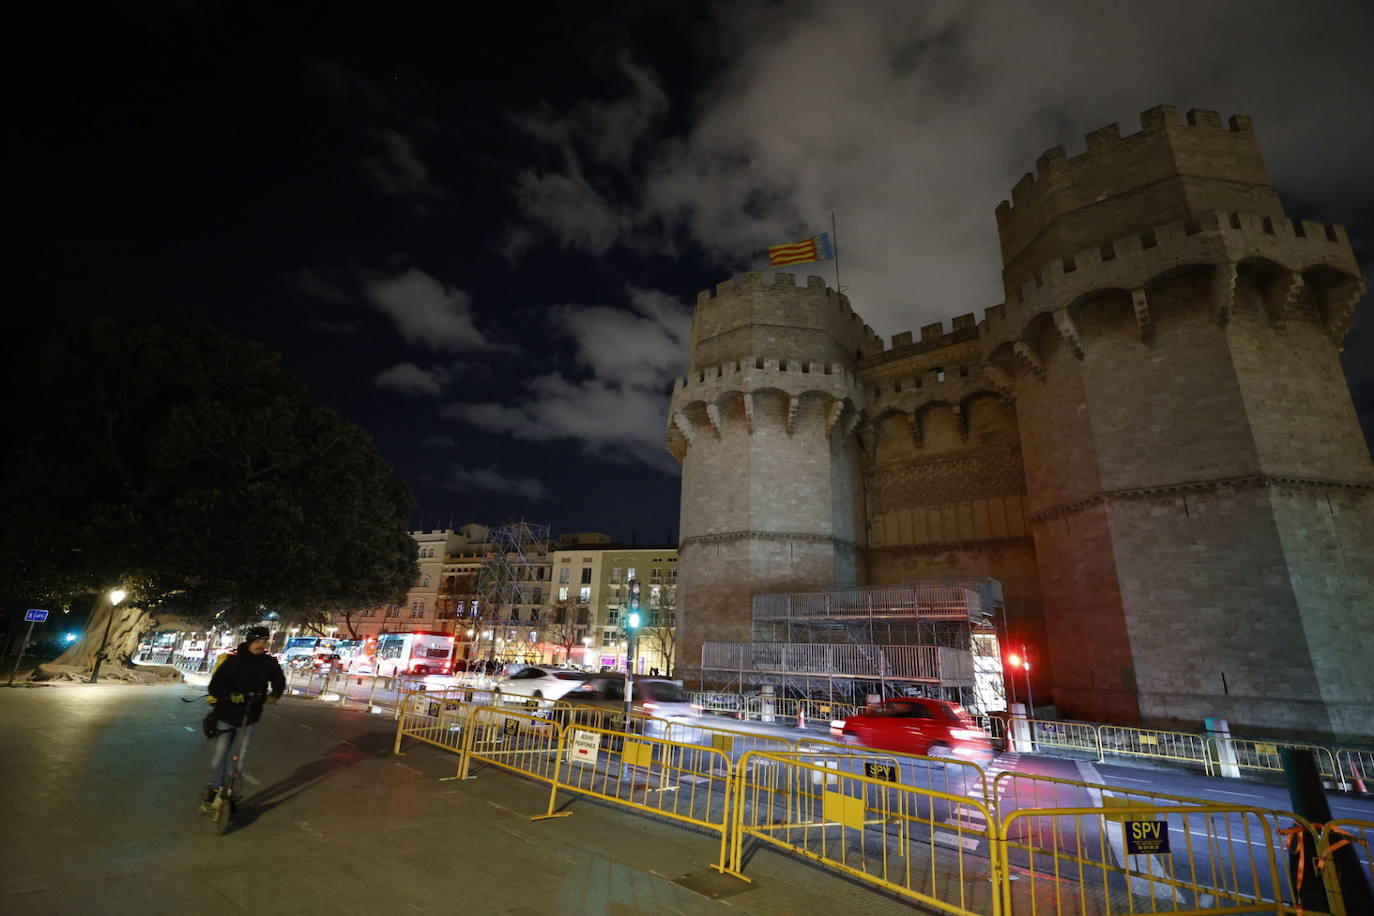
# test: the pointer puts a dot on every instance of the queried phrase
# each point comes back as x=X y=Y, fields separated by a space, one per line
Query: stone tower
x=764 y=427
x=1200 y=495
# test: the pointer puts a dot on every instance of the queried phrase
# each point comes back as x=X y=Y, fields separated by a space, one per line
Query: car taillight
x=966 y=734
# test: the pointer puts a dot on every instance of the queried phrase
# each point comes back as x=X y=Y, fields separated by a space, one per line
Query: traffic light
x=632 y=613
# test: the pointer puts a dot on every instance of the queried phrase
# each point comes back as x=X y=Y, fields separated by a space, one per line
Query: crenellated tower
x=1200 y=495
x=764 y=427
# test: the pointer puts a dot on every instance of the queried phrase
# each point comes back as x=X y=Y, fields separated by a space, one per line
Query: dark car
x=653 y=696
x=916 y=725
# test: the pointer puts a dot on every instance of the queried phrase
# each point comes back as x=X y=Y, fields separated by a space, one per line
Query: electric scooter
x=225 y=803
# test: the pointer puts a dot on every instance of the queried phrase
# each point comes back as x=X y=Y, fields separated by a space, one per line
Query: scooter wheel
x=224 y=813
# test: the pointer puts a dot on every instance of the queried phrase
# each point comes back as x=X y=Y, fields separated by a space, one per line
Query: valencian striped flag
x=816 y=248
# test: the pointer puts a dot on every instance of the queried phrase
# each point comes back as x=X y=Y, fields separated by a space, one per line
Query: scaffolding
x=513 y=575
x=933 y=638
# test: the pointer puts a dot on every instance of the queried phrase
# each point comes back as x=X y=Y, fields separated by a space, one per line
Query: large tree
x=188 y=467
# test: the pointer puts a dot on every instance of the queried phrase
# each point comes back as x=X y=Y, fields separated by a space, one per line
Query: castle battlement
x=748 y=285
x=760 y=372
x=1131 y=262
x=1105 y=145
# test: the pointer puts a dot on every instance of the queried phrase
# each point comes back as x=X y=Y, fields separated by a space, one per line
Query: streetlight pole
x=116 y=596
x=1030 y=698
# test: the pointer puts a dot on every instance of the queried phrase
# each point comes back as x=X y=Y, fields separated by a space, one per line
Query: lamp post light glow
x=117 y=597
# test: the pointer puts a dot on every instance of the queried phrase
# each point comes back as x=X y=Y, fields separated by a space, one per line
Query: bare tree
x=661 y=633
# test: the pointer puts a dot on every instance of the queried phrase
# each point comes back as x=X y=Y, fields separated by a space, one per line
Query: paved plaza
x=99 y=793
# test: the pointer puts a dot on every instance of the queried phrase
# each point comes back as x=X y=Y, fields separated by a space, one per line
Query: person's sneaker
x=207 y=797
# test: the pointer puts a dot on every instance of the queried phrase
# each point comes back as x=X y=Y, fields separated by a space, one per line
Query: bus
x=420 y=652
x=300 y=650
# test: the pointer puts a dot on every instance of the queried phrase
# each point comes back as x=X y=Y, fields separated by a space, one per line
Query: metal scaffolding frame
x=911 y=639
x=508 y=578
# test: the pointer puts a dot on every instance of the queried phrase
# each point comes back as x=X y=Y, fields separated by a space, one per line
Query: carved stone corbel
x=1280 y=295
x=1068 y=329
x=832 y=414
x=1224 y=291
x=1141 y=305
x=713 y=414
x=682 y=423
x=1030 y=357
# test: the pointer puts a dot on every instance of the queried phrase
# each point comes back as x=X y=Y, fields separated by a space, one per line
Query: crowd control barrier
x=898 y=837
x=1195 y=859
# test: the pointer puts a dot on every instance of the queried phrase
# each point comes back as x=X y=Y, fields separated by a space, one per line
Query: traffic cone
x=801 y=717
x=1357 y=779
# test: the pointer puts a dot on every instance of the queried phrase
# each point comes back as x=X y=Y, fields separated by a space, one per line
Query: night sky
x=479 y=234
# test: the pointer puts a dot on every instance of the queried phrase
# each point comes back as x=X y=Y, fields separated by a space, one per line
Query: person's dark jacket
x=241 y=672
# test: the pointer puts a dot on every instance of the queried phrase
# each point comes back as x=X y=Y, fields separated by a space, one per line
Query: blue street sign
x=36 y=615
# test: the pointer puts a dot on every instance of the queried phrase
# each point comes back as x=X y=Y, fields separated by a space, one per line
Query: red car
x=934 y=728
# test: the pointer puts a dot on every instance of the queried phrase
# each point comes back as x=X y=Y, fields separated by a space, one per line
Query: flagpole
x=835 y=244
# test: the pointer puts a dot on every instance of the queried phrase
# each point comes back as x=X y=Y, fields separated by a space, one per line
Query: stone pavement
x=98 y=787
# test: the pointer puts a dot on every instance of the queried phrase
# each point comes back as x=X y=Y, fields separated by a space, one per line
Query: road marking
x=303 y=725
x=251 y=778
x=1131 y=779
x=949 y=839
x=1237 y=794
x=1220 y=840
x=189 y=728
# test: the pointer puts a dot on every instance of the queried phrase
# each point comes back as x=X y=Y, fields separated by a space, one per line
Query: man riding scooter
x=237 y=691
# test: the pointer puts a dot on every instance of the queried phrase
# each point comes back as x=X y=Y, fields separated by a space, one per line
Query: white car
x=540 y=681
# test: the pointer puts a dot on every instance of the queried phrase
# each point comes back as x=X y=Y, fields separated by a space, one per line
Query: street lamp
x=116 y=596
x=1024 y=663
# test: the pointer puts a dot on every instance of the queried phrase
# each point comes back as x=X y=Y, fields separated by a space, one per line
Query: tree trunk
x=125 y=625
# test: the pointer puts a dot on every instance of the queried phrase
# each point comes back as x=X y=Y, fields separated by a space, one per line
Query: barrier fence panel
x=942 y=774
x=1357 y=835
x=1172 y=859
x=435 y=717
x=731 y=743
x=513 y=739
x=1072 y=736
x=892 y=835
x=612 y=718
x=1128 y=741
x=1357 y=766
x=1263 y=756
x=684 y=782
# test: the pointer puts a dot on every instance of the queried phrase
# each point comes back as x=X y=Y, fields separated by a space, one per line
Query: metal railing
x=836 y=660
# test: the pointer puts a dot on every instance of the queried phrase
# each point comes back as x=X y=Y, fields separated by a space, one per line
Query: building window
x=613 y=616
x=586 y=574
x=537 y=596
x=655 y=591
x=630 y=573
x=562 y=593
x=584 y=594
x=393 y=611
x=615 y=575
x=424 y=581
x=564 y=576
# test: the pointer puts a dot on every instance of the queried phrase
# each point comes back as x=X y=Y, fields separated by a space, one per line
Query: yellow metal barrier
x=1335 y=834
x=1183 y=860
x=1357 y=766
x=573 y=714
x=1261 y=755
x=1073 y=736
x=732 y=743
x=683 y=782
x=950 y=775
x=435 y=717
x=898 y=837
x=512 y=739
x=1129 y=741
